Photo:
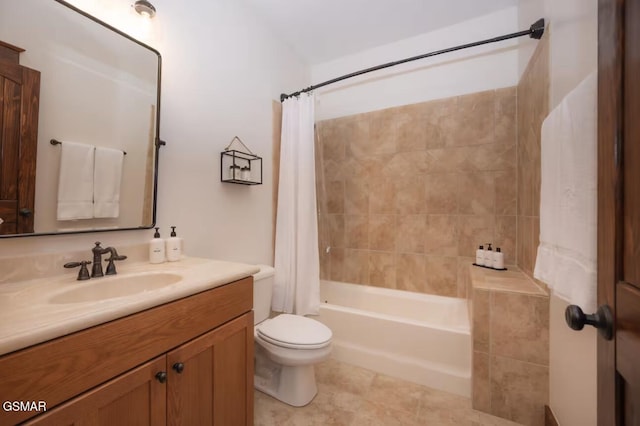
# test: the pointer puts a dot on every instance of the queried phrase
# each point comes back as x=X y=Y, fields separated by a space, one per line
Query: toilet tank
x=262 y=290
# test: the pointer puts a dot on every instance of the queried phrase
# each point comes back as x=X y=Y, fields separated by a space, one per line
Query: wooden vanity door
x=134 y=398
x=19 y=103
x=210 y=379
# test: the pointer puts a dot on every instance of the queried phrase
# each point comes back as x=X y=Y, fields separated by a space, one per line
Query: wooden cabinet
x=133 y=398
x=108 y=374
x=19 y=103
x=211 y=377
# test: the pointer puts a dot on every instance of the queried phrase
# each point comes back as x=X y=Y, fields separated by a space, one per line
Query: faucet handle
x=111 y=267
x=83 y=274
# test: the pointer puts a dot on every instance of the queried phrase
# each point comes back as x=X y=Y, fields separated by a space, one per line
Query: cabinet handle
x=179 y=367
x=161 y=376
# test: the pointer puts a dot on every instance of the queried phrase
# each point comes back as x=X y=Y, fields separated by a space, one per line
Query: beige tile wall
x=407 y=194
x=511 y=355
x=533 y=107
x=510 y=330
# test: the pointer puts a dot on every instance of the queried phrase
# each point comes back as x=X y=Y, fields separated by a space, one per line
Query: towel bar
x=57 y=142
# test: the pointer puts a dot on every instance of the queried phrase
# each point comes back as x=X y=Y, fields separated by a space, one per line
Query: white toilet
x=287 y=347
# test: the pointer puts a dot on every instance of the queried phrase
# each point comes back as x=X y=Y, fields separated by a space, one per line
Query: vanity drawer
x=57 y=370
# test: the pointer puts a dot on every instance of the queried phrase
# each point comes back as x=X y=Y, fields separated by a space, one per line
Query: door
x=134 y=398
x=19 y=102
x=210 y=379
x=619 y=209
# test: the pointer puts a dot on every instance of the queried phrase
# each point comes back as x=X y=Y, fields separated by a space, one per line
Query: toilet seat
x=295 y=332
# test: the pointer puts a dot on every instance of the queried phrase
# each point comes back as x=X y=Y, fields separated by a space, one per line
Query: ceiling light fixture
x=144 y=8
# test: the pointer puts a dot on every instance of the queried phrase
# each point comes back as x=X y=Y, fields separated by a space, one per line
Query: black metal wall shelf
x=240 y=167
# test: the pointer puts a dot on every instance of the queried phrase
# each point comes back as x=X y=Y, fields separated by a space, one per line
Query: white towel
x=75 y=184
x=567 y=255
x=106 y=182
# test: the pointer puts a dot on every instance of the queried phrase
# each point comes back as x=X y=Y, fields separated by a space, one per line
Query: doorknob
x=24 y=212
x=602 y=319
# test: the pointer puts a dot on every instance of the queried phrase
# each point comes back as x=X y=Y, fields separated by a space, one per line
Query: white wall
x=573 y=27
x=573 y=55
x=221 y=70
x=467 y=71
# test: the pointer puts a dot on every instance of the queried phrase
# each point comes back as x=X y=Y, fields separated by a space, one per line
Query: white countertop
x=28 y=317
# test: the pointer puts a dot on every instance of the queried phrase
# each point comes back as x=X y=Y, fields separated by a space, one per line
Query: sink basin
x=111 y=287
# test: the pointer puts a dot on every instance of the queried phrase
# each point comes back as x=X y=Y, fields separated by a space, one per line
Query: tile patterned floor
x=348 y=395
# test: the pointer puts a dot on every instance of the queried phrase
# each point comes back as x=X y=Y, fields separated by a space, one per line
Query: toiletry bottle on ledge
x=480 y=256
x=156 y=248
x=488 y=256
x=498 y=259
x=174 y=246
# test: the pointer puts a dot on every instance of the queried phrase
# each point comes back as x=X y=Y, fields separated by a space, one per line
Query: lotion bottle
x=480 y=256
x=156 y=248
x=488 y=256
x=498 y=259
x=174 y=246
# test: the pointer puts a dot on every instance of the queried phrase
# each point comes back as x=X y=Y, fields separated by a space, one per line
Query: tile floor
x=349 y=395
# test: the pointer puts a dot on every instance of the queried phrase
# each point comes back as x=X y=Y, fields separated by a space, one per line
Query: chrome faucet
x=98 y=251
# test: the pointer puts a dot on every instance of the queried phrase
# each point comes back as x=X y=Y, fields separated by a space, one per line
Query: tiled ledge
x=512 y=280
x=510 y=328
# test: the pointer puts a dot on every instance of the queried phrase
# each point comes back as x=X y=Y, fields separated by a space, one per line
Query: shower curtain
x=297 y=277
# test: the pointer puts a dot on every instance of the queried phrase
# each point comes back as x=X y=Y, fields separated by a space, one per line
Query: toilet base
x=293 y=385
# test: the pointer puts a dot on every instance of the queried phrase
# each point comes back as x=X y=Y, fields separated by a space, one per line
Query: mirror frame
x=158 y=142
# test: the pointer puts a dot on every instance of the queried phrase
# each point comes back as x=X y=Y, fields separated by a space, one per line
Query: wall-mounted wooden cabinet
x=19 y=105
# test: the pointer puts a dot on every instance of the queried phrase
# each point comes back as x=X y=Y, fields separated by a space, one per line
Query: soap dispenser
x=156 y=248
x=488 y=256
x=498 y=259
x=174 y=246
x=480 y=256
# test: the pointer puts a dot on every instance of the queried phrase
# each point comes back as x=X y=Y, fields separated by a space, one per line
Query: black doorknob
x=161 y=376
x=179 y=367
x=24 y=212
x=602 y=320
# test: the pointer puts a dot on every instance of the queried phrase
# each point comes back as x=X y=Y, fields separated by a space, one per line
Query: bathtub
x=417 y=337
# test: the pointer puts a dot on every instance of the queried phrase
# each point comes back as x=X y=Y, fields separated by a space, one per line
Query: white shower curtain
x=297 y=277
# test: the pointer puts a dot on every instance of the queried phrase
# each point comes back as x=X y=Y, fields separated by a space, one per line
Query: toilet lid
x=295 y=331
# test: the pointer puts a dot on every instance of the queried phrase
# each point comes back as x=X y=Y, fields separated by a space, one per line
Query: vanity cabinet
x=133 y=398
x=188 y=362
x=210 y=379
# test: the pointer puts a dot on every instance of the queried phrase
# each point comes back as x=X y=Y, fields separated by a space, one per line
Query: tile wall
x=533 y=107
x=407 y=194
x=510 y=331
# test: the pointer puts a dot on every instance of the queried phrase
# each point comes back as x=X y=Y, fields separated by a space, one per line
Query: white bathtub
x=422 y=338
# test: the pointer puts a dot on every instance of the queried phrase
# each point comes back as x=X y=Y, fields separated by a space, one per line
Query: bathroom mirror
x=99 y=87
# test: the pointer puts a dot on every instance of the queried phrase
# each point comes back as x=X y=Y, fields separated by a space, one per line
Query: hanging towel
x=106 y=182
x=566 y=259
x=75 y=184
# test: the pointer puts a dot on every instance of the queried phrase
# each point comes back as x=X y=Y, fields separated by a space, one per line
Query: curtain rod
x=536 y=30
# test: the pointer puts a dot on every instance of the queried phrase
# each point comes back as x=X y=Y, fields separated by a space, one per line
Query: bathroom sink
x=111 y=287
